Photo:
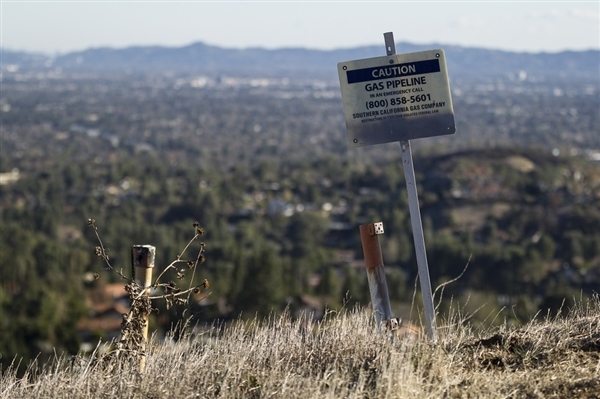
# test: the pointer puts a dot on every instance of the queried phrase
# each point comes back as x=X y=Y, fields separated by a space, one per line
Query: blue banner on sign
x=393 y=71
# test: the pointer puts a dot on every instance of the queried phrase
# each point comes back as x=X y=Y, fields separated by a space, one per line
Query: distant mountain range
x=205 y=59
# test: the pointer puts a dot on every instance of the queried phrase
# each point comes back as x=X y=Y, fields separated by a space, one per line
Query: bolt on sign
x=396 y=98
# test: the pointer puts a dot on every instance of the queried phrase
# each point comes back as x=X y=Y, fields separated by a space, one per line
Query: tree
x=262 y=290
x=354 y=289
x=396 y=282
x=329 y=285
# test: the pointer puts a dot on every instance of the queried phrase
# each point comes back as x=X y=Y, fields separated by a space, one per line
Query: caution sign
x=396 y=98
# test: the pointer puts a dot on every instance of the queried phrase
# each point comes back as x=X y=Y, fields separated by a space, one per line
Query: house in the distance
x=107 y=304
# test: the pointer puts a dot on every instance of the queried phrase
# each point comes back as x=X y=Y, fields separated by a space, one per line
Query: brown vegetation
x=343 y=357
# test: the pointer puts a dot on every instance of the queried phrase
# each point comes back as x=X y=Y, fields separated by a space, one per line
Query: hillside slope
x=341 y=357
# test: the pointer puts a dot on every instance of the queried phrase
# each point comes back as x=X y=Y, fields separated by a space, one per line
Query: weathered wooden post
x=142 y=260
x=380 y=299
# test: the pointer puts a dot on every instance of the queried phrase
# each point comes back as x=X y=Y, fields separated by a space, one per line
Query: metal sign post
x=415 y=218
x=417 y=227
x=399 y=98
x=380 y=298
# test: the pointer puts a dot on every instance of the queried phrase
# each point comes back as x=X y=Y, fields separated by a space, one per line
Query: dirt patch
x=563 y=355
x=520 y=163
x=474 y=216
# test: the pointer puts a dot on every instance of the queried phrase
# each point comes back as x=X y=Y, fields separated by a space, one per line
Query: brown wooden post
x=375 y=274
x=142 y=260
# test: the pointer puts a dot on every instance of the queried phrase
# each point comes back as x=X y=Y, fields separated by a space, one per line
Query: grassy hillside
x=343 y=357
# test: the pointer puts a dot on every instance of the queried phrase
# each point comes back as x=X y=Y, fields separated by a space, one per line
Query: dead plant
x=131 y=345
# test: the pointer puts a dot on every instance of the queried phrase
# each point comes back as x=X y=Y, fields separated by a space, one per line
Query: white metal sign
x=396 y=98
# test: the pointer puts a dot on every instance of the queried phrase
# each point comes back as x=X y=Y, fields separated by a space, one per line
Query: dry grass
x=343 y=357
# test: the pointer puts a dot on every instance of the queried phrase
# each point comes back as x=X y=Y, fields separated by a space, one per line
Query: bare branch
x=449 y=282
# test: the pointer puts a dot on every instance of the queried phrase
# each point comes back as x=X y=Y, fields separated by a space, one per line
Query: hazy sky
x=63 y=26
